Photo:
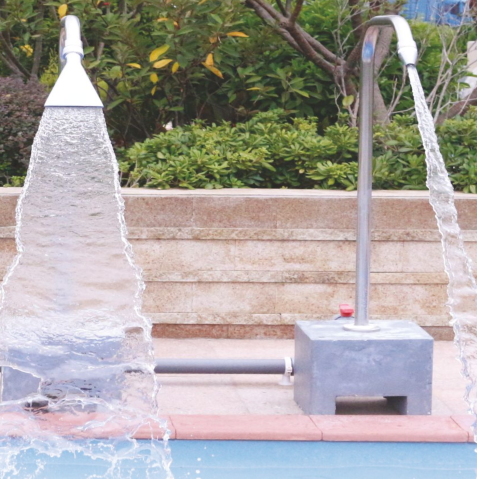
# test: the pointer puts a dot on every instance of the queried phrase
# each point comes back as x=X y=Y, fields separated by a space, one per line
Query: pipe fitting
x=70 y=36
x=407 y=54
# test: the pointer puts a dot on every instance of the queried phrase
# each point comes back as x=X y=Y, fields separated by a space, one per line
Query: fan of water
x=70 y=322
x=462 y=288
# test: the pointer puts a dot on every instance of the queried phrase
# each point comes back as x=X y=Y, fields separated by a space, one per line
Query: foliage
x=272 y=151
x=213 y=60
x=21 y=107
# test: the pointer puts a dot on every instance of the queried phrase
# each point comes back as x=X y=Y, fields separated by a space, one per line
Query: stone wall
x=249 y=263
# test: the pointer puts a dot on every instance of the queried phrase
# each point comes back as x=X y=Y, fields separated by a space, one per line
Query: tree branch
x=268 y=19
x=38 y=44
x=296 y=11
x=282 y=8
x=458 y=108
x=308 y=50
x=356 y=18
x=7 y=48
x=295 y=35
x=10 y=65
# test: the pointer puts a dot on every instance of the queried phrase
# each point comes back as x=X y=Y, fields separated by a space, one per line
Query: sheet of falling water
x=71 y=328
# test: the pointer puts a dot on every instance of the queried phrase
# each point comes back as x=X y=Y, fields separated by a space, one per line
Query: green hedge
x=273 y=151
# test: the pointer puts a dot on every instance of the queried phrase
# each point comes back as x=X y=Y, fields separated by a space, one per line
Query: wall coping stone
x=264 y=192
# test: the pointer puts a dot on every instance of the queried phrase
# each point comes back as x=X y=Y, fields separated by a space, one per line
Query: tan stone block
x=314 y=256
x=158 y=211
x=403 y=214
x=408 y=299
x=217 y=298
x=173 y=318
x=8 y=204
x=313 y=298
x=187 y=255
x=295 y=255
x=422 y=257
x=386 y=257
x=8 y=251
x=466 y=208
x=216 y=276
x=390 y=300
x=316 y=213
x=245 y=331
x=183 y=331
x=233 y=212
x=471 y=250
x=168 y=298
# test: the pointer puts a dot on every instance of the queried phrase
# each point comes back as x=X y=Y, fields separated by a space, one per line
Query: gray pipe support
x=224 y=366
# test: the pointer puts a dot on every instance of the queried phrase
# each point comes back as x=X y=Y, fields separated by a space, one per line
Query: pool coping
x=293 y=427
x=451 y=429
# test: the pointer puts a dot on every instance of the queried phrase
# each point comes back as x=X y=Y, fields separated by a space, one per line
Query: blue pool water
x=321 y=460
x=292 y=460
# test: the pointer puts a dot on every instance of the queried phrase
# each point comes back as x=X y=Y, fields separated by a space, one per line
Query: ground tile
x=246 y=428
x=390 y=428
x=465 y=421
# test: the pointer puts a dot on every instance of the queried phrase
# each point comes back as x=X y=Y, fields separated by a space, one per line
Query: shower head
x=407 y=48
x=73 y=87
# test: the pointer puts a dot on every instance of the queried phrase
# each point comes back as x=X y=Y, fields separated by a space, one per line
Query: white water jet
x=462 y=288
x=71 y=311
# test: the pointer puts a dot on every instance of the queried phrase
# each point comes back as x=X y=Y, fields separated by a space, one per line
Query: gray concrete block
x=394 y=362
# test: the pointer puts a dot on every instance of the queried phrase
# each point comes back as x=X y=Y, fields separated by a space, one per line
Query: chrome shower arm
x=407 y=51
x=407 y=48
x=70 y=38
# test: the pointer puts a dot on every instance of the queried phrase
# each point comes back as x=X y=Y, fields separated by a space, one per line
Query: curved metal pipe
x=73 y=87
x=407 y=51
x=407 y=48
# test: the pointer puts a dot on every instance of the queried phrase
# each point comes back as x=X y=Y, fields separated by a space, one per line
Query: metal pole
x=408 y=54
x=365 y=184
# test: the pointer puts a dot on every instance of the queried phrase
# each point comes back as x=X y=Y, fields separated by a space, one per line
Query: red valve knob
x=346 y=310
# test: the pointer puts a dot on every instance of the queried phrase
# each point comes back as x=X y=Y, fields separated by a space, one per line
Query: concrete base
x=394 y=362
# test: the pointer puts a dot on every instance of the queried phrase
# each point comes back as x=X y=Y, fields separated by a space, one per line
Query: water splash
x=70 y=319
x=462 y=288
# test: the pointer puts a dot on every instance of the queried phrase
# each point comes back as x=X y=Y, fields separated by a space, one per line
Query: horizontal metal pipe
x=223 y=366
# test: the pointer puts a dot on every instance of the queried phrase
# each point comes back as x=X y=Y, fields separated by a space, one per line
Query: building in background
x=443 y=12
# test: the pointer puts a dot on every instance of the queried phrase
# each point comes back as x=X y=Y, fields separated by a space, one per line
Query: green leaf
x=216 y=18
x=302 y=93
x=115 y=103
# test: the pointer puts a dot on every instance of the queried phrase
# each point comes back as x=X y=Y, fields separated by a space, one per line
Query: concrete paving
x=261 y=394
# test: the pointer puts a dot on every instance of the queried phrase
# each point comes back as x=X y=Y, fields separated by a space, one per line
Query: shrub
x=273 y=151
x=267 y=151
x=201 y=71
x=21 y=107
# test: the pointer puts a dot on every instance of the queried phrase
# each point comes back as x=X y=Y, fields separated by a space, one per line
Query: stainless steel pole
x=407 y=51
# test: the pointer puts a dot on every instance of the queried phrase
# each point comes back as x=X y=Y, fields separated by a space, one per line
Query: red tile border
x=246 y=428
x=465 y=422
x=258 y=428
x=390 y=428
x=15 y=424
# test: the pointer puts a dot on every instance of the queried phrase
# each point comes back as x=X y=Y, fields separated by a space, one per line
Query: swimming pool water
x=289 y=460
x=321 y=460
